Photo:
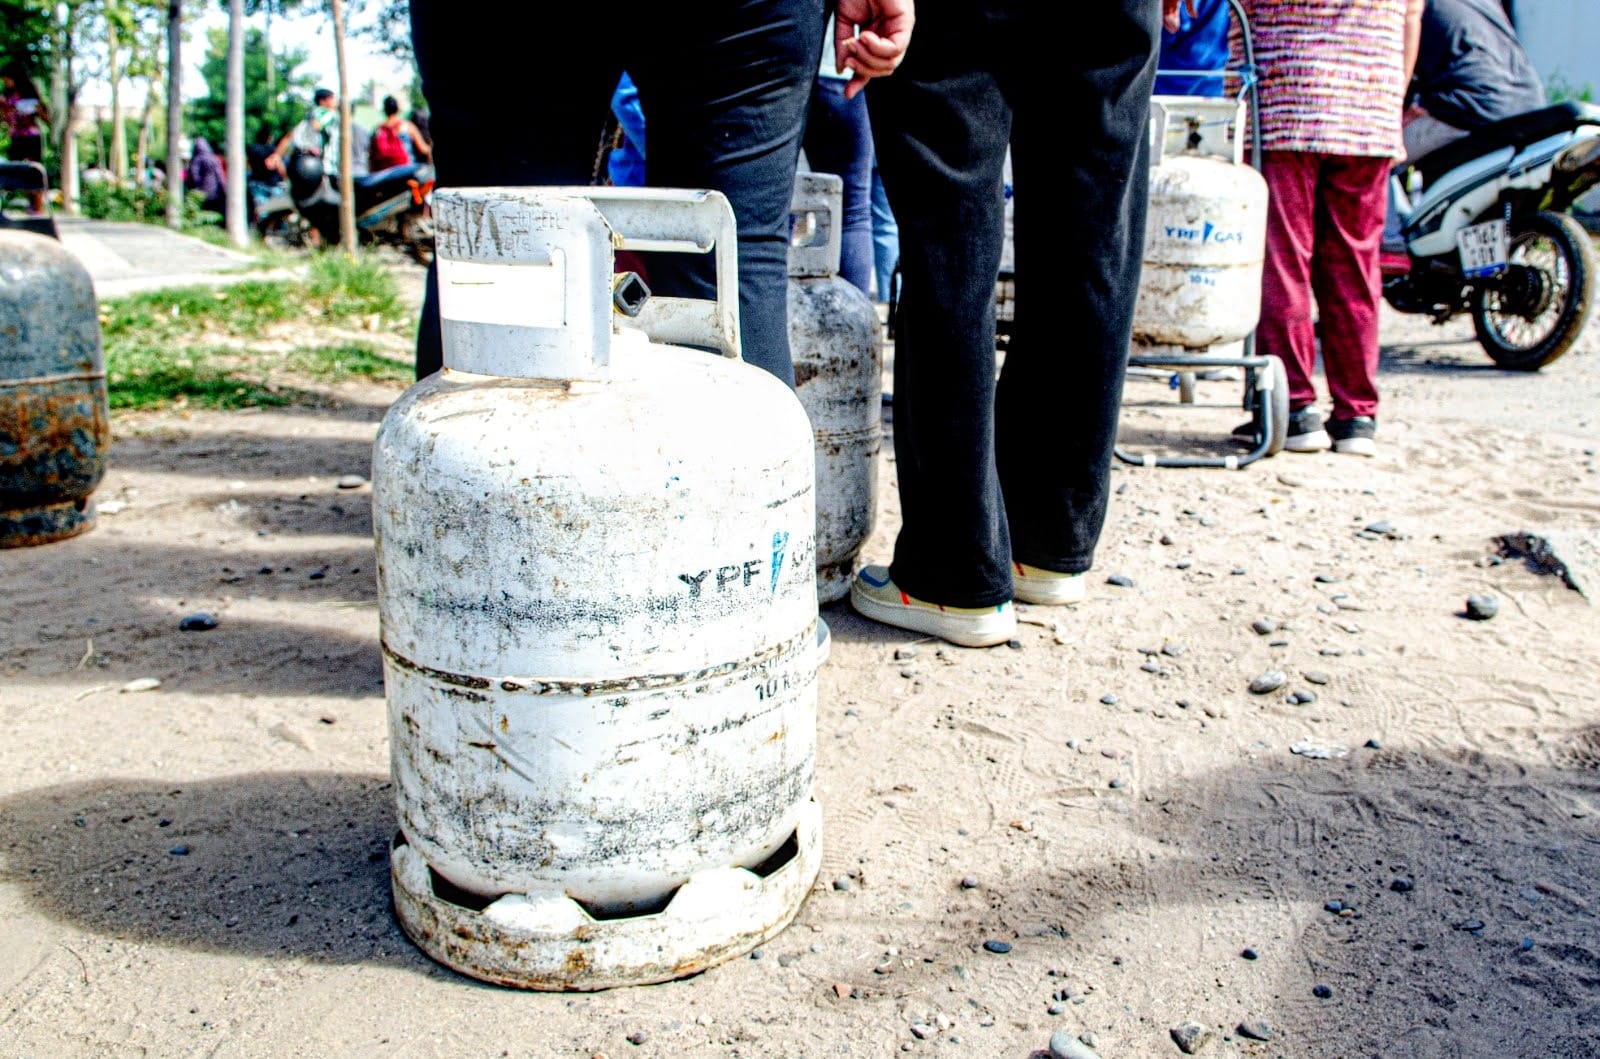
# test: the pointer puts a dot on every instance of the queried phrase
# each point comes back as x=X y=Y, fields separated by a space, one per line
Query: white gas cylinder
x=598 y=606
x=1205 y=242
x=836 y=341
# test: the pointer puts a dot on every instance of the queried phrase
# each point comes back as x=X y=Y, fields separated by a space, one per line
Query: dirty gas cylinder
x=1205 y=241
x=837 y=344
x=54 y=425
x=598 y=606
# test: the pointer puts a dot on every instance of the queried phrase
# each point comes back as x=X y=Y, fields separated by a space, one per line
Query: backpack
x=388 y=149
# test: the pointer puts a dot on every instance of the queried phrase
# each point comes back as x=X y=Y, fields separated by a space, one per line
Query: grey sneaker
x=1305 y=431
x=1355 y=436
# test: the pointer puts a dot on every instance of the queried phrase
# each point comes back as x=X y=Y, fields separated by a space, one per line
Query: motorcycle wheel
x=416 y=235
x=1531 y=328
x=282 y=230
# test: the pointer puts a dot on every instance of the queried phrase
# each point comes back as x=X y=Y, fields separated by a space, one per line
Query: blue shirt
x=626 y=161
x=1200 y=43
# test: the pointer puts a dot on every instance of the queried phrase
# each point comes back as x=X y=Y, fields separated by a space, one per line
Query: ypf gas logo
x=1207 y=234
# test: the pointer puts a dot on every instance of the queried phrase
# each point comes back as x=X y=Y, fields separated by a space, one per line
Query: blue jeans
x=725 y=91
x=885 y=236
x=839 y=141
x=1020 y=471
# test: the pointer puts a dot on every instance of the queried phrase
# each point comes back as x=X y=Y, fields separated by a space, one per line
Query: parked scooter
x=393 y=207
x=1488 y=233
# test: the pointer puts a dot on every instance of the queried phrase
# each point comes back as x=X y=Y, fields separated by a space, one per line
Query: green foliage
x=171 y=347
x=146 y=377
x=25 y=37
x=352 y=286
x=165 y=317
x=1559 y=90
x=352 y=360
x=102 y=200
x=267 y=115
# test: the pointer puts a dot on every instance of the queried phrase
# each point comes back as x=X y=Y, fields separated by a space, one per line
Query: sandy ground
x=200 y=869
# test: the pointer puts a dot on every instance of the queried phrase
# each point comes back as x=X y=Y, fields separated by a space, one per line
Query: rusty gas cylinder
x=837 y=343
x=54 y=424
x=1206 y=232
x=598 y=605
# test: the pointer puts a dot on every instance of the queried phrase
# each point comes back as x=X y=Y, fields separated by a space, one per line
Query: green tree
x=26 y=33
x=266 y=112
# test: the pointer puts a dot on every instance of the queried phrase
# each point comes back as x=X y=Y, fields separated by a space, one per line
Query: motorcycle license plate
x=1483 y=249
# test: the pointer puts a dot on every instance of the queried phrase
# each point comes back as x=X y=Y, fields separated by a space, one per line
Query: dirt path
x=200 y=869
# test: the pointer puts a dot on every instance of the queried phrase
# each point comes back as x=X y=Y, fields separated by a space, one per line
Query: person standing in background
x=885 y=237
x=396 y=141
x=725 y=88
x=23 y=110
x=1333 y=77
x=1471 y=71
x=1004 y=488
x=838 y=140
x=1194 y=51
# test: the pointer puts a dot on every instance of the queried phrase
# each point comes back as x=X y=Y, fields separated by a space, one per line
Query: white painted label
x=519 y=295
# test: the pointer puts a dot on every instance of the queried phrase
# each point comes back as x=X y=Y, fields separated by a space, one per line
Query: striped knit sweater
x=1331 y=74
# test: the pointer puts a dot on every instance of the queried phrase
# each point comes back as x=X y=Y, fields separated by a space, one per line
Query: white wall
x=1562 y=38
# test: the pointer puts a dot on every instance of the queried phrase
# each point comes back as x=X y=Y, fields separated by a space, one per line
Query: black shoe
x=1305 y=431
x=1355 y=436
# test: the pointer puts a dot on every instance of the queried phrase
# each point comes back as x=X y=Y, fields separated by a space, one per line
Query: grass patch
x=352 y=286
x=352 y=360
x=336 y=288
x=177 y=347
x=143 y=377
x=140 y=378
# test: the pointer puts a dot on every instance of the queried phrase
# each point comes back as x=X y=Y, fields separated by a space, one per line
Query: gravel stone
x=998 y=947
x=969 y=883
x=1482 y=608
x=1190 y=1037
x=1270 y=681
x=1108 y=700
x=1264 y=626
x=199 y=621
x=1402 y=886
x=351 y=481
x=1249 y=954
x=1120 y=580
x=1255 y=1030
x=1321 y=992
x=1063 y=1045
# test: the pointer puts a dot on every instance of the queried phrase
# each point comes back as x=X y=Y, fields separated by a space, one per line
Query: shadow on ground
x=1488 y=948
x=281 y=865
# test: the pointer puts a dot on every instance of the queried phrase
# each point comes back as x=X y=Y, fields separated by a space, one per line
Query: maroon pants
x=1324 y=224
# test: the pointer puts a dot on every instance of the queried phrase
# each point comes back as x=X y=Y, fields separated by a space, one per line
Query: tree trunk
x=69 y=136
x=272 y=76
x=119 y=135
x=347 y=187
x=238 y=230
x=174 y=113
x=147 y=120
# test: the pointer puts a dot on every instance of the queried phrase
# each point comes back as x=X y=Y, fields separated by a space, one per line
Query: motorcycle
x=393 y=208
x=1487 y=232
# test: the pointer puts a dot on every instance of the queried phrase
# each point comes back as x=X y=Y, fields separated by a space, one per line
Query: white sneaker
x=874 y=595
x=1047 y=587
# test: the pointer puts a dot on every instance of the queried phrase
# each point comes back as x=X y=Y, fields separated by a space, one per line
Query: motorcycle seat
x=384 y=176
x=1518 y=131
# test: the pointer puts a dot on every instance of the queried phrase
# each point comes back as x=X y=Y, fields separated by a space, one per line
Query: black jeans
x=519 y=95
x=1021 y=470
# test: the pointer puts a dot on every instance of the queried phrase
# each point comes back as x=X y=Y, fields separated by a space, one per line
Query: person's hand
x=885 y=31
x=1412 y=113
x=1171 y=20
